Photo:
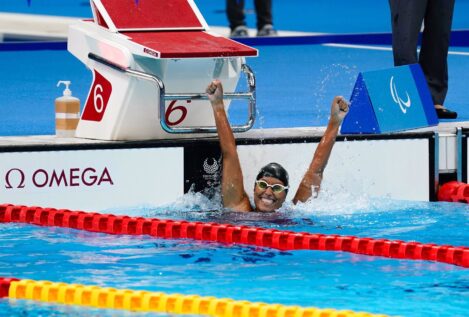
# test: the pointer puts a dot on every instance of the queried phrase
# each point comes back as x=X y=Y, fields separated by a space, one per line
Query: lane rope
x=231 y=234
x=144 y=301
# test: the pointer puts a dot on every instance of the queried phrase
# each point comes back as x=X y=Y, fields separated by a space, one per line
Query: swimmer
x=271 y=185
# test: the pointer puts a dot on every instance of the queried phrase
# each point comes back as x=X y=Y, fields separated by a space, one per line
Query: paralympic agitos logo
x=17 y=178
x=403 y=105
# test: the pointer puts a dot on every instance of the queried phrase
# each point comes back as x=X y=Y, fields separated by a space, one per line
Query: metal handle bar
x=251 y=96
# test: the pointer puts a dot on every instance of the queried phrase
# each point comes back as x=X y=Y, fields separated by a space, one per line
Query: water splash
x=330 y=202
x=335 y=75
x=197 y=201
x=334 y=211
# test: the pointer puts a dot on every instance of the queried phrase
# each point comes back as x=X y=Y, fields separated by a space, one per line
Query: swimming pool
x=321 y=279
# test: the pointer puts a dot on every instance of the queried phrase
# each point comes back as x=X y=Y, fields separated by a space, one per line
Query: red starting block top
x=127 y=15
x=188 y=44
x=166 y=28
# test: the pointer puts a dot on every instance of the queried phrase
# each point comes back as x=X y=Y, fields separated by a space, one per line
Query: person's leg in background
x=407 y=17
x=236 y=18
x=434 y=50
x=264 y=18
x=406 y=20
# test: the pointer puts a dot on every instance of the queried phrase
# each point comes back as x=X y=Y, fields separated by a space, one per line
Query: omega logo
x=72 y=177
x=150 y=52
x=15 y=172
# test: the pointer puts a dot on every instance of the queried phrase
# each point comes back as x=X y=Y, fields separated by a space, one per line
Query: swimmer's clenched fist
x=339 y=110
x=215 y=93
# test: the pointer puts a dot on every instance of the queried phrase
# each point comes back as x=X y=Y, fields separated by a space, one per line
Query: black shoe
x=239 y=31
x=444 y=113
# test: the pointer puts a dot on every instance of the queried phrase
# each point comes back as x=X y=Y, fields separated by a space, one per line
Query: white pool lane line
x=382 y=48
x=56 y=27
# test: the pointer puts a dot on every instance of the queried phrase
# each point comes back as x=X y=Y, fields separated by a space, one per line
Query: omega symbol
x=8 y=176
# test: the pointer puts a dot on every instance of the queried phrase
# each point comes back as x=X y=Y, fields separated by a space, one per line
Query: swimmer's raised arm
x=232 y=188
x=311 y=181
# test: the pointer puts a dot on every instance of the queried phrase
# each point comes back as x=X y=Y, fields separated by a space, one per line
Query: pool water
x=307 y=278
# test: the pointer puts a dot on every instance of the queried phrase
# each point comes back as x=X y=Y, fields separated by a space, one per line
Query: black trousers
x=406 y=18
x=236 y=17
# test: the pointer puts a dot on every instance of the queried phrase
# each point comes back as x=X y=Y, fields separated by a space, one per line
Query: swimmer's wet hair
x=274 y=170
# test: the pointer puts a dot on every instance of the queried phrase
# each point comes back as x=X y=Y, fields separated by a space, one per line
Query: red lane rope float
x=226 y=233
x=5 y=285
x=454 y=192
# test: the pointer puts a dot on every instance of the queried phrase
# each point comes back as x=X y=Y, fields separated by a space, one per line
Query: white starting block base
x=97 y=175
x=123 y=107
x=151 y=62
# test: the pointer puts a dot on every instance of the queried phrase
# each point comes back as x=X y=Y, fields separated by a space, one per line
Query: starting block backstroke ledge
x=140 y=51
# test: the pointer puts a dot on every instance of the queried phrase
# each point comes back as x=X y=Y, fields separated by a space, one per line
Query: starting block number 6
x=179 y=108
x=97 y=99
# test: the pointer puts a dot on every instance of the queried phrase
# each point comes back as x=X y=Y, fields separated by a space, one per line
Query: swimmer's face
x=266 y=199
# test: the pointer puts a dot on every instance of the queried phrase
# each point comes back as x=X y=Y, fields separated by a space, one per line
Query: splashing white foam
x=197 y=201
x=349 y=203
x=330 y=202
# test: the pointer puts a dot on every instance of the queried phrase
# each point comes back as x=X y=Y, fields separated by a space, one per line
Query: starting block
x=151 y=62
x=390 y=100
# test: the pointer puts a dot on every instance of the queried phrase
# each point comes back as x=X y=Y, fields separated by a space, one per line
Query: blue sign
x=390 y=100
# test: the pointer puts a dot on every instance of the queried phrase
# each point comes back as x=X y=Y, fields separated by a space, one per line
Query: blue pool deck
x=303 y=88
x=303 y=78
x=321 y=16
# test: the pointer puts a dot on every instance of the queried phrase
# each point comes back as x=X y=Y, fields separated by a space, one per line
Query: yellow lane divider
x=143 y=301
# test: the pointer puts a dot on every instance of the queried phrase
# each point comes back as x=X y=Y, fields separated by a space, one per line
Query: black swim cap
x=274 y=170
